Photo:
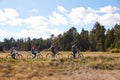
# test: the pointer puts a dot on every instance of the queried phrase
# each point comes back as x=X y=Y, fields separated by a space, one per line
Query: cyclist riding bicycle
x=34 y=52
x=53 y=50
x=74 y=50
x=13 y=52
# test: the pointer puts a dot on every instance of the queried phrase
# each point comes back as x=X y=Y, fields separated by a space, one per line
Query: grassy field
x=95 y=66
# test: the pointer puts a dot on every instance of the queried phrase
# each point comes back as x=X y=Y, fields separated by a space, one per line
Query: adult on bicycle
x=13 y=52
x=34 y=51
x=53 y=50
x=74 y=50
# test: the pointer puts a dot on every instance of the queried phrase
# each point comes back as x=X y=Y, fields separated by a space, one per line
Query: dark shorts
x=13 y=55
x=53 y=52
x=74 y=52
x=34 y=54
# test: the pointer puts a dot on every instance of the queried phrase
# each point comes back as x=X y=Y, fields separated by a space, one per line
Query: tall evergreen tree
x=117 y=36
x=98 y=33
x=109 y=42
x=84 y=40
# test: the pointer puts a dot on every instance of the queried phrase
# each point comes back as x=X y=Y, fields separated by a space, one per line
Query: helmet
x=13 y=47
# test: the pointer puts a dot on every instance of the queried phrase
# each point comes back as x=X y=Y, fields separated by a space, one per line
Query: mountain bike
x=51 y=55
x=15 y=54
x=79 y=55
x=31 y=56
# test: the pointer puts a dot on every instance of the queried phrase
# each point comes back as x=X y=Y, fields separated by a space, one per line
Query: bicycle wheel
x=49 y=55
x=58 y=55
x=39 y=56
x=80 y=56
x=9 y=56
x=30 y=56
x=70 y=56
x=19 y=56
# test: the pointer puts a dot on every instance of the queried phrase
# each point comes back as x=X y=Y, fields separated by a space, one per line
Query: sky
x=41 y=18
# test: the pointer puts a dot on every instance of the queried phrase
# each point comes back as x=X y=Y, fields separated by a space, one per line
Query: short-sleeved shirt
x=33 y=51
x=74 y=49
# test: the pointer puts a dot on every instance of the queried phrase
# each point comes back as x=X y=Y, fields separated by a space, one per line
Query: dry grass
x=95 y=66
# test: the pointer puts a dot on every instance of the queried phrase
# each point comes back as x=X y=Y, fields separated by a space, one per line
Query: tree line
x=98 y=39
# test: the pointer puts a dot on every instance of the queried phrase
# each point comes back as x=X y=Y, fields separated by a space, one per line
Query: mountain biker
x=74 y=50
x=53 y=50
x=13 y=52
x=33 y=51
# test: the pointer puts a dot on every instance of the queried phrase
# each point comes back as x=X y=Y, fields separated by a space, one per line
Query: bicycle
x=17 y=56
x=31 y=56
x=79 y=55
x=51 y=55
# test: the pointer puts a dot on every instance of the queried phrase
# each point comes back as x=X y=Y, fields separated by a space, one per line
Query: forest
x=98 y=39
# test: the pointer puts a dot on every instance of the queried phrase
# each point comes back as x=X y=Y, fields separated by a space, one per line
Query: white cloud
x=62 y=9
x=9 y=12
x=3 y=32
x=33 y=33
x=39 y=26
x=10 y=17
x=7 y=34
x=91 y=18
x=78 y=13
x=108 y=9
x=36 y=22
x=57 y=19
x=91 y=10
x=110 y=19
x=81 y=16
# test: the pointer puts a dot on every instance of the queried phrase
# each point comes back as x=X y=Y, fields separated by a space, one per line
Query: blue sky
x=41 y=18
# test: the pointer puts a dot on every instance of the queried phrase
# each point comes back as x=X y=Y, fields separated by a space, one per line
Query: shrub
x=115 y=50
